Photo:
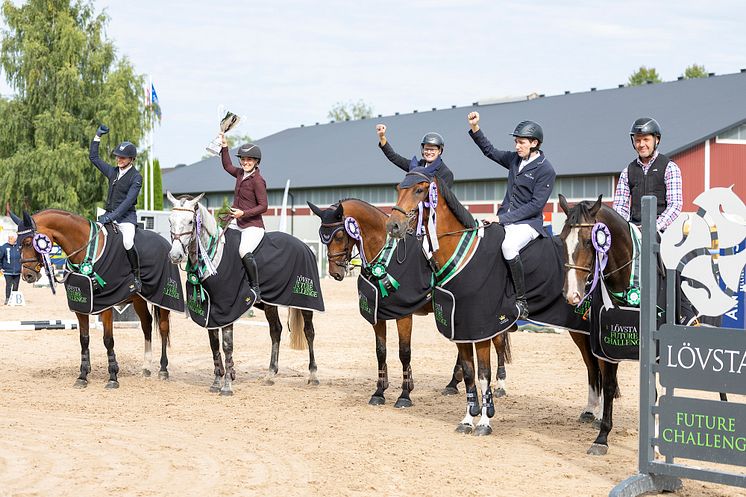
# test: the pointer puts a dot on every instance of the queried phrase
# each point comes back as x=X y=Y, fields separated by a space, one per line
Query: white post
x=707 y=165
x=152 y=150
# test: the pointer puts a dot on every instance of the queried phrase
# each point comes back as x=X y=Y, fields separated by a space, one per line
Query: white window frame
x=731 y=141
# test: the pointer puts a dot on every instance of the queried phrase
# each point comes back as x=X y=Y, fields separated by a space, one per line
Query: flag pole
x=145 y=166
x=152 y=152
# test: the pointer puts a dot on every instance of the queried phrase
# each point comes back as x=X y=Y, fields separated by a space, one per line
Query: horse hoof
x=162 y=375
x=146 y=373
x=112 y=384
x=450 y=391
x=402 y=403
x=500 y=392
x=587 y=417
x=268 y=382
x=483 y=430
x=226 y=393
x=313 y=382
x=377 y=401
x=214 y=388
x=596 y=424
x=598 y=449
x=80 y=383
x=464 y=428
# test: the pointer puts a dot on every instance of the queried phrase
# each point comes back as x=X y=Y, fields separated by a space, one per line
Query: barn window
x=733 y=135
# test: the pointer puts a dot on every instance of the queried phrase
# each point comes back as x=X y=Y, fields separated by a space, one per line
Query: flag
x=154 y=102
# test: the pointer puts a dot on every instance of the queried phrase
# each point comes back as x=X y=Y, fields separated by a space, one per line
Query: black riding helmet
x=645 y=126
x=433 y=138
x=529 y=129
x=125 y=149
x=250 y=150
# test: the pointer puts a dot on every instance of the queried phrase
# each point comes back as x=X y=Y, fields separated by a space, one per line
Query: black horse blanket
x=478 y=301
x=403 y=288
x=111 y=280
x=288 y=276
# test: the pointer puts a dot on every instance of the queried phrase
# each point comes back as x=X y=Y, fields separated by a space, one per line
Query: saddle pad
x=161 y=282
x=411 y=270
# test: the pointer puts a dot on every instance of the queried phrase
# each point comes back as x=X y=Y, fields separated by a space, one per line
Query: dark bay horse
x=372 y=223
x=581 y=256
x=72 y=233
x=576 y=238
x=399 y=223
x=183 y=220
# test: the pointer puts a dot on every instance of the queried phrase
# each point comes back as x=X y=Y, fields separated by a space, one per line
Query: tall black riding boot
x=134 y=259
x=516 y=270
x=249 y=263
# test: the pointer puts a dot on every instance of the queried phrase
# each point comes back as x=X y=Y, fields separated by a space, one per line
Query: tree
x=67 y=79
x=342 y=111
x=695 y=71
x=223 y=212
x=643 y=75
x=157 y=187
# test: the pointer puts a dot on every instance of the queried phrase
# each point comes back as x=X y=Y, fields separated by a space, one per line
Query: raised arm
x=225 y=159
x=400 y=162
x=106 y=169
x=502 y=157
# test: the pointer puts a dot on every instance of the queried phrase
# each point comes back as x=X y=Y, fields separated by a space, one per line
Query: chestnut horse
x=400 y=223
x=372 y=223
x=72 y=233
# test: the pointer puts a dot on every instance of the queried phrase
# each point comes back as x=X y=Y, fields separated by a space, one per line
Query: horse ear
x=199 y=197
x=339 y=212
x=594 y=210
x=15 y=218
x=563 y=204
x=315 y=209
x=171 y=198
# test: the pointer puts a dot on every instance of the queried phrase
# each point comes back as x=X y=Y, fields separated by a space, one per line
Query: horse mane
x=580 y=212
x=358 y=200
x=61 y=212
x=457 y=208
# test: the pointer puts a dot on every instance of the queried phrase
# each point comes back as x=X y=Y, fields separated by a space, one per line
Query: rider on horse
x=125 y=183
x=530 y=182
x=652 y=173
x=431 y=147
x=249 y=203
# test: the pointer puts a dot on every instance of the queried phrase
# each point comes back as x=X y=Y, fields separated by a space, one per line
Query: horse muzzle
x=397 y=229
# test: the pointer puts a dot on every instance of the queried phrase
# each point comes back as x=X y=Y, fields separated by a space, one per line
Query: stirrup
x=522 y=306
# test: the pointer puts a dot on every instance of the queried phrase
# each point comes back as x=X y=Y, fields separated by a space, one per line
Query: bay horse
x=400 y=223
x=184 y=240
x=576 y=236
x=580 y=256
x=340 y=247
x=72 y=233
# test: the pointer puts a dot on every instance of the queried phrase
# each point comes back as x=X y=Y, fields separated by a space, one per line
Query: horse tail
x=295 y=325
x=502 y=341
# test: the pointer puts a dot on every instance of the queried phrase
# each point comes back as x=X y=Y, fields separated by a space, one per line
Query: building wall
x=731 y=166
x=692 y=165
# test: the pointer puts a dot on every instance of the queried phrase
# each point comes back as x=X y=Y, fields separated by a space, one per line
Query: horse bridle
x=346 y=251
x=589 y=270
x=178 y=236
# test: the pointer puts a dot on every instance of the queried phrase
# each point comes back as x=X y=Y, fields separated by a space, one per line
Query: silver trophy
x=229 y=122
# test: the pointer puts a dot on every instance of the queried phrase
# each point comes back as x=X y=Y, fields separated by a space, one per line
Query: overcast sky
x=282 y=63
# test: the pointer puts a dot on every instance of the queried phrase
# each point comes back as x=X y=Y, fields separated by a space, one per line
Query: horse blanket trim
x=409 y=269
x=477 y=293
x=161 y=281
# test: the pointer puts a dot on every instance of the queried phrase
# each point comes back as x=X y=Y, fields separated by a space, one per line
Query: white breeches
x=128 y=234
x=517 y=236
x=250 y=237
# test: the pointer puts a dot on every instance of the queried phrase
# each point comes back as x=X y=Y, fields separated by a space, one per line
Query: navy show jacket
x=528 y=191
